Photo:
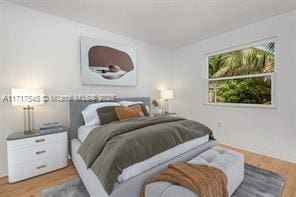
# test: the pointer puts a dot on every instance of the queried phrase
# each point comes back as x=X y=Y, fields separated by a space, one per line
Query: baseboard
x=3 y=173
x=292 y=160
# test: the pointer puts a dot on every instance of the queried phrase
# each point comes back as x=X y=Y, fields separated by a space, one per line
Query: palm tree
x=252 y=60
x=214 y=64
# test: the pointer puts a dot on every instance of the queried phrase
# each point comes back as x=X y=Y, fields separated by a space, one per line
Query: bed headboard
x=76 y=106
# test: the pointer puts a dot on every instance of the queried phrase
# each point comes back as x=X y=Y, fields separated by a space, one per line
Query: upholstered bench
x=230 y=162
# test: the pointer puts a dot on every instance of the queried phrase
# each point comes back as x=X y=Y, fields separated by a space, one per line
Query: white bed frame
x=131 y=187
x=88 y=177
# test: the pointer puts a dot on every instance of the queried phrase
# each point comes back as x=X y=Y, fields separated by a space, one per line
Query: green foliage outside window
x=248 y=91
x=249 y=61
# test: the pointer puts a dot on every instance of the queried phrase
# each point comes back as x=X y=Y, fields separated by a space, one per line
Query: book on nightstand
x=51 y=127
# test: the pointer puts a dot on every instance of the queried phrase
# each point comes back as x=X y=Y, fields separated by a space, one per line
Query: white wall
x=42 y=51
x=268 y=131
x=294 y=65
x=2 y=145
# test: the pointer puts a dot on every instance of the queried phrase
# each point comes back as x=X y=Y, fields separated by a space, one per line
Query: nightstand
x=34 y=154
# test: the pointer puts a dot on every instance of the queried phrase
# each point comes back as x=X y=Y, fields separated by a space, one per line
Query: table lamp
x=27 y=98
x=167 y=95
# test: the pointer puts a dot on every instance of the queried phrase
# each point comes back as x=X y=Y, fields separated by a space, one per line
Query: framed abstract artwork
x=107 y=63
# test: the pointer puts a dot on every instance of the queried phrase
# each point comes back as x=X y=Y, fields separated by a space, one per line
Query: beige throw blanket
x=206 y=181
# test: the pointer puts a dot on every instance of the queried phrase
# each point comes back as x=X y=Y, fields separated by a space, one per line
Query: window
x=243 y=76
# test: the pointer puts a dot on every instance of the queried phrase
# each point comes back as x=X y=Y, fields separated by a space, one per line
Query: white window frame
x=244 y=46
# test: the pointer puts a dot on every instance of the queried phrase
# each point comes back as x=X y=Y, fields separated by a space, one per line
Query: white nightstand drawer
x=27 y=170
x=30 y=154
x=35 y=141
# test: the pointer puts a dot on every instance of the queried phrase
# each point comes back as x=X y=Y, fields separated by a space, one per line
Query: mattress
x=152 y=162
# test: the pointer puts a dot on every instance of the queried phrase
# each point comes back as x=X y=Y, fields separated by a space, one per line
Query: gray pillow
x=107 y=114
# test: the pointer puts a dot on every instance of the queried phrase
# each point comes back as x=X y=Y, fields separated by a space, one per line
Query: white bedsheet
x=83 y=132
x=152 y=162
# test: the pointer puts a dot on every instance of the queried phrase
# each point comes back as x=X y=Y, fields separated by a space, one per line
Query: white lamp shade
x=167 y=94
x=25 y=97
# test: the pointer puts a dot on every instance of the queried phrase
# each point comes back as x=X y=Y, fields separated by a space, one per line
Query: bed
x=130 y=181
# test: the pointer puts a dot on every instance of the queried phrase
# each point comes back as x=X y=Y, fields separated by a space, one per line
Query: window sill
x=242 y=105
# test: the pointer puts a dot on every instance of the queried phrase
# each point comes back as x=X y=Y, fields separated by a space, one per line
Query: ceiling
x=167 y=23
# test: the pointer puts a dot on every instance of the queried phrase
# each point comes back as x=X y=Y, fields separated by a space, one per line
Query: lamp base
x=30 y=132
x=166 y=107
x=29 y=120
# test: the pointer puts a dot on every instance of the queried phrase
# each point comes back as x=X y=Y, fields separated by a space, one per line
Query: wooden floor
x=284 y=168
x=32 y=187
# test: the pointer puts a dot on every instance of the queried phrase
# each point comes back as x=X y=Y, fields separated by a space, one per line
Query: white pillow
x=128 y=103
x=90 y=115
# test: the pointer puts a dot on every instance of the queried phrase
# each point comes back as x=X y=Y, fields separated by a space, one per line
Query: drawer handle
x=40 y=152
x=40 y=140
x=41 y=166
